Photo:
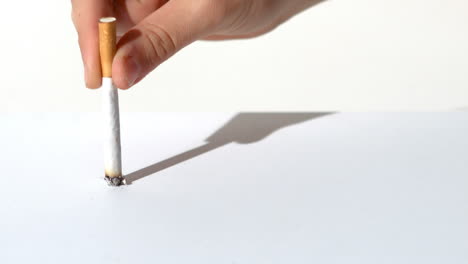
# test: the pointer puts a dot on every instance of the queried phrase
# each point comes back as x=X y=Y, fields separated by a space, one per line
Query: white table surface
x=257 y=188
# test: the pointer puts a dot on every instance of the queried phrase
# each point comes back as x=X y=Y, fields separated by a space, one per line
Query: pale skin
x=151 y=31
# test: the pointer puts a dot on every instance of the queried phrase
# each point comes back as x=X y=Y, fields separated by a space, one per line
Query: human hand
x=151 y=31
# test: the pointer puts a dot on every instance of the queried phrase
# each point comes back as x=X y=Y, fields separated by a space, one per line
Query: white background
x=339 y=55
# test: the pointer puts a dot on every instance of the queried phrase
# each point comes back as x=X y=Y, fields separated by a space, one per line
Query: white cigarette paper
x=110 y=104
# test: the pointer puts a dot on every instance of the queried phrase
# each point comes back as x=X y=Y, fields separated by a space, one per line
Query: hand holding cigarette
x=151 y=31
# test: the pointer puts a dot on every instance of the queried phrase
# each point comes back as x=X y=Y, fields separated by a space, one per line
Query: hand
x=151 y=31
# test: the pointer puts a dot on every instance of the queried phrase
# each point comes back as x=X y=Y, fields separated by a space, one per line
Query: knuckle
x=160 y=44
x=212 y=12
x=232 y=14
x=75 y=13
x=218 y=11
x=74 y=17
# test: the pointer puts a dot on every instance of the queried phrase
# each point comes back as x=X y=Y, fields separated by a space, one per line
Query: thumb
x=160 y=35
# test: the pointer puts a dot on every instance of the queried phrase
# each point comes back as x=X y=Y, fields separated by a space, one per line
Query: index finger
x=85 y=16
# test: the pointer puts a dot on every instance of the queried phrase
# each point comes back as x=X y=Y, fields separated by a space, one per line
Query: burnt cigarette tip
x=115 y=181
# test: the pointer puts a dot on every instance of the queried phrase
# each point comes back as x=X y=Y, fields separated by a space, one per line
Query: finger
x=85 y=15
x=131 y=12
x=163 y=33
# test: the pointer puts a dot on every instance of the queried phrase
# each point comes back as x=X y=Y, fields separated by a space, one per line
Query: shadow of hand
x=243 y=128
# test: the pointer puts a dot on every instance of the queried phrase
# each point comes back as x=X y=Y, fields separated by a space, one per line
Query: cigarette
x=110 y=103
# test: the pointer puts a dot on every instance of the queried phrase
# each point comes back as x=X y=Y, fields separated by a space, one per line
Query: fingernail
x=86 y=79
x=133 y=70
